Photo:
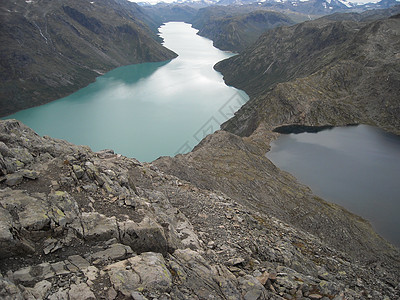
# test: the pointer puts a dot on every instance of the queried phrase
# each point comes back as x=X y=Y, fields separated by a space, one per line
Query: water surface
x=357 y=167
x=146 y=110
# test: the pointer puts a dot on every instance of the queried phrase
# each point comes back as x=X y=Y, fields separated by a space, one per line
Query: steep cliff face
x=319 y=73
x=52 y=48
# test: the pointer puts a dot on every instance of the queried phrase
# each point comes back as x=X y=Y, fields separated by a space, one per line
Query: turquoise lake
x=357 y=167
x=146 y=110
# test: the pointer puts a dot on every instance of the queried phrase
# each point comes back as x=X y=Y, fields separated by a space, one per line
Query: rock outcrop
x=75 y=224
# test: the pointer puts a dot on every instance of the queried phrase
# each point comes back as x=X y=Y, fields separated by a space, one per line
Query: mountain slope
x=163 y=12
x=320 y=73
x=52 y=48
x=238 y=32
x=366 y=16
x=311 y=7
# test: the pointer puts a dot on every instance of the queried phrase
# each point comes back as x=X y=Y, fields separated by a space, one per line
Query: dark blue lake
x=357 y=167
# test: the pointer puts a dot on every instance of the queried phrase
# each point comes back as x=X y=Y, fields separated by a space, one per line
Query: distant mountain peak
x=327 y=5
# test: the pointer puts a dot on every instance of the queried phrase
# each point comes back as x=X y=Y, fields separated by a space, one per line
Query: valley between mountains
x=220 y=222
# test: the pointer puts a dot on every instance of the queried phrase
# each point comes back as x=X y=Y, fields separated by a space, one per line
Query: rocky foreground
x=75 y=224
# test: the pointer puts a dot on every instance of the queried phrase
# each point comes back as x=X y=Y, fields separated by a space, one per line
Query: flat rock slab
x=147 y=271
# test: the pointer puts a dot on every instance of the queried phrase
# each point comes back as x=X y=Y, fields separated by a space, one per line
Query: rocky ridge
x=81 y=225
x=318 y=73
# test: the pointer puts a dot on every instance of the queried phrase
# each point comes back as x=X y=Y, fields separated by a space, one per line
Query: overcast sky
x=169 y=1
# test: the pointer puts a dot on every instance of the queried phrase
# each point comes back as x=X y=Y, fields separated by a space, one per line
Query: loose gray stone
x=21 y=154
x=4 y=150
x=80 y=292
x=67 y=181
x=12 y=165
x=99 y=227
x=13 y=179
x=91 y=273
x=253 y=295
x=299 y=294
x=106 y=153
x=40 y=290
x=263 y=278
x=235 y=261
x=61 y=294
x=79 y=172
x=205 y=280
x=151 y=268
x=112 y=294
x=29 y=174
x=123 y=280
x=55 y=184
x=78 y=261
x=129 y=202
x=252 y=288
x=315 y=296
x=64 y=207
x=23 y=275
x=138 y=296
x=46 y=270
x=148 y=235
x=32 y=211
x=3 y=167
x=8 y=290
x=51 y=245
x=115 y=252
x=59 y=268
x=90 y=187
x=7 y=243
x=147 y=271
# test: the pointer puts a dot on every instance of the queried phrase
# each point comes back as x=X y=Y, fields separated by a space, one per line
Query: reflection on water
x=357 y=167
x=146 y=110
